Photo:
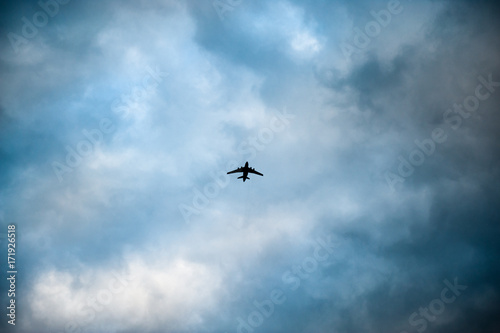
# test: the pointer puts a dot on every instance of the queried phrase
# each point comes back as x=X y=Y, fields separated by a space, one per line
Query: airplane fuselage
x=245 y=173
x=245 y=170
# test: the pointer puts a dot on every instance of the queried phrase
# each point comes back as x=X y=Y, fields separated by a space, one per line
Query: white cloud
x=148 y=293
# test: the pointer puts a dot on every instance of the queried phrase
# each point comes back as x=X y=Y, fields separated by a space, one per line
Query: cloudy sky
x=375 y=124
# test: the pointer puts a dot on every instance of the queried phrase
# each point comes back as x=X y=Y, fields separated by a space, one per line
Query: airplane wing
x=253 y=171
x=237 y=170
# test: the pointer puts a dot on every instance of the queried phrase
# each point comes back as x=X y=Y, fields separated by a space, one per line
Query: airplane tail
x=244 y=178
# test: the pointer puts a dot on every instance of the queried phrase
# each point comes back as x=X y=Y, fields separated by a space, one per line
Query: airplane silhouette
x=245 y=171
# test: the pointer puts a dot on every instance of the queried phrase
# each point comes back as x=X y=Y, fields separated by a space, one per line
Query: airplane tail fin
x=244 y=178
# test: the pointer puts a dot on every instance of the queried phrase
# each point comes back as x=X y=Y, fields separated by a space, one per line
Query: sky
x=375 y=124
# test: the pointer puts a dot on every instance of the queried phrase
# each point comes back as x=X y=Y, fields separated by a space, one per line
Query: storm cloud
x=375 y=123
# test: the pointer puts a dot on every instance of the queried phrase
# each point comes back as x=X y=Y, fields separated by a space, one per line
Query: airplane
x=245 y=171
